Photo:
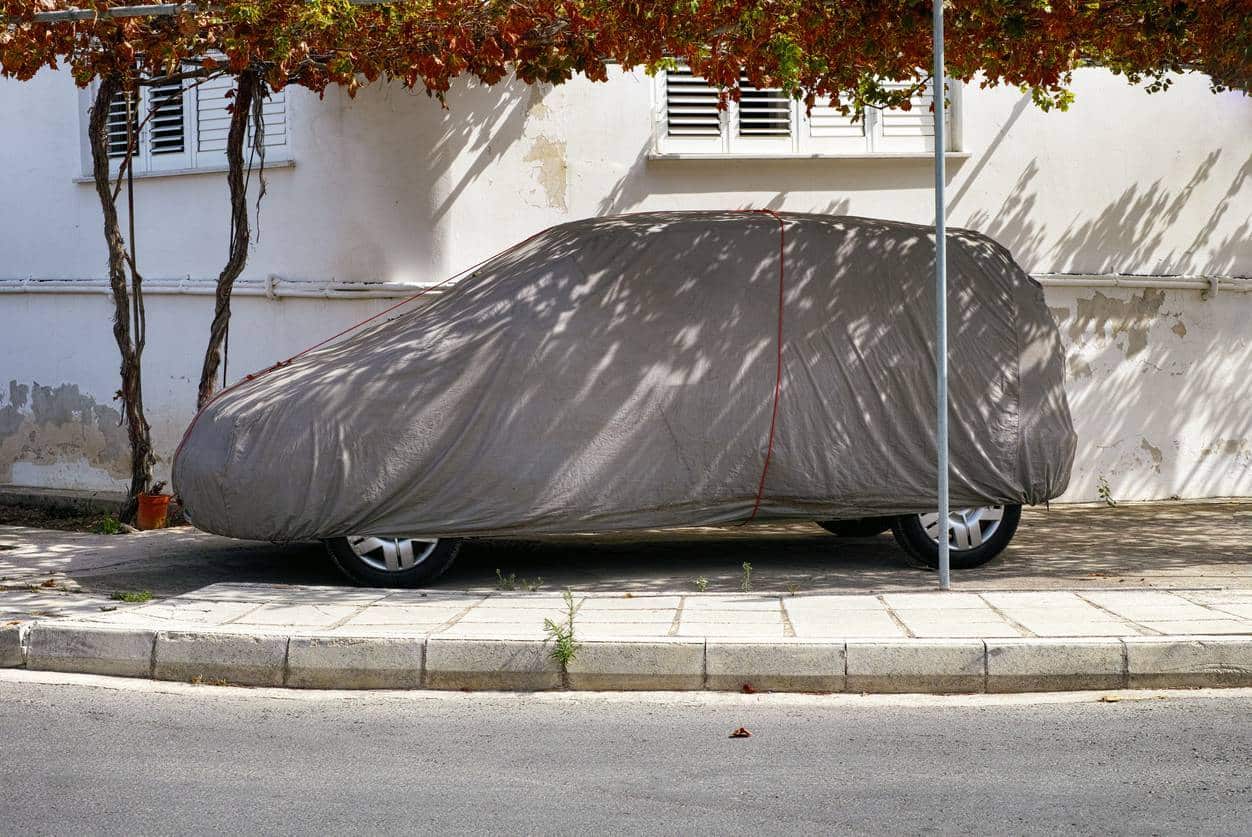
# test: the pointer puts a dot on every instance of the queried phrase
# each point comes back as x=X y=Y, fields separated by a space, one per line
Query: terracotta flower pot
x=153 y=509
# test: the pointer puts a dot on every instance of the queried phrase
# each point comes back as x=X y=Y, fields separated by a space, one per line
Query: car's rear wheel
x=392 y=562
x=858 y=527
x=975 y=535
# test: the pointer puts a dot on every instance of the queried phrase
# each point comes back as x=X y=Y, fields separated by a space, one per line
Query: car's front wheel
x=975 y=535
x=392 y=562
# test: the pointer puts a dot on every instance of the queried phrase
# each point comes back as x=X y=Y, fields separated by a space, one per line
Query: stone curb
x=788 y=665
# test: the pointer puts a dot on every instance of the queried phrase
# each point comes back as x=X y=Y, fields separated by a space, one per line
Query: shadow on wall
x=1156 y=378
x=724 y=180
x=1127 y=232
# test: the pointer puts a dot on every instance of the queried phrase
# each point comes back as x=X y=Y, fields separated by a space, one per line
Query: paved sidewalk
x=1165 y=545
x=330 y=637
x=1087 y=597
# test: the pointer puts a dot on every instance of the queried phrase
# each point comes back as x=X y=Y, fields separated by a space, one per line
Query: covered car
x=652 y=370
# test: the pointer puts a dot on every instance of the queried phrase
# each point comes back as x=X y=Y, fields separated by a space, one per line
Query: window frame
x=191 y=160
x=869 y=142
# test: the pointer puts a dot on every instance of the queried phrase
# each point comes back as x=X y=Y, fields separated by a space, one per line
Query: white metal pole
x=941 y=302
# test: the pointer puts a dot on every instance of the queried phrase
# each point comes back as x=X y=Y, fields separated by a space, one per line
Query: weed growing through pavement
x=1104 y=492
x=702 y=584
x=512 y=582
x=793 y=588
x=745 y=583
x=564 y=646
x=132 y=596
x=109 y=525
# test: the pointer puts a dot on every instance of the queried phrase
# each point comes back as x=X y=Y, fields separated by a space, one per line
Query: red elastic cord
x=778 y=369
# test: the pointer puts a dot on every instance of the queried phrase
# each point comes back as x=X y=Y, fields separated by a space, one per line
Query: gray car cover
x=622 y=373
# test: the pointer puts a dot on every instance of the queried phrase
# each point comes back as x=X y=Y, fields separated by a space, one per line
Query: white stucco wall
x=391 y=187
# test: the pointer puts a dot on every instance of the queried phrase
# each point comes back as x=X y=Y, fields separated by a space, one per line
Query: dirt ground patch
x=59 y=519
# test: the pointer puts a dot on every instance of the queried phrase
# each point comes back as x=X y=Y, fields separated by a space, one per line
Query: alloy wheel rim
x=967 y=528
x=391 y=555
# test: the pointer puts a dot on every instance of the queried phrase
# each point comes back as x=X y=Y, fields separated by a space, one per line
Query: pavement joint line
x=339 y=623
x=1122 y=619
x=248 y=612
x=704 y=663
x=1225 y=613
x=1216 y=610
x=287 y=661
x=895 y=617
x=788 y=628
x=1125 y=663
x=1009 y=620
x=677 y=622
x=450 y=622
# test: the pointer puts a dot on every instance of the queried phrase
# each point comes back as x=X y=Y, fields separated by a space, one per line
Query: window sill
x=144 y=175
x=658 y=156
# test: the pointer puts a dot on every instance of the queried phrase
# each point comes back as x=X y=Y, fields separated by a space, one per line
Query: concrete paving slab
x=175 y=613
x=1197 y=627
x=612 y=630
x=862 y=623
x=952 y=601
x=284 y=615
x=732 y=629
x=417 y=617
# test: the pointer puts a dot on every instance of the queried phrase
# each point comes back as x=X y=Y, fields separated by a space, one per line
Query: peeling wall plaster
x=58 y=425
x=1133 y=318
x=1160 y=391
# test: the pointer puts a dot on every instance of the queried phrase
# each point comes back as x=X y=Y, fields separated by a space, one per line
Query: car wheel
x=975 y=535
x=859 y=527
x=392 y=562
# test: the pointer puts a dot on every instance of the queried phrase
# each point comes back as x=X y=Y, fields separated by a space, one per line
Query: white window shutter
x=825 y=130
x=764 y=120
x=213 y=123
x=165 y=136
x=118 y=135
x=910 y=130
x=691 y=121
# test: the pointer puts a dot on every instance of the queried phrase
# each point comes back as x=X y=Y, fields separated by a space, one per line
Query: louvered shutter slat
x=166 y=125
x=690 y=106
x=117 y=125
x=763 y=112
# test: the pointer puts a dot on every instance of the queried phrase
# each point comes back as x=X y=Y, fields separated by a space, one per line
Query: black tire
x=361 y=572
x=857 y=527
x=923 y=550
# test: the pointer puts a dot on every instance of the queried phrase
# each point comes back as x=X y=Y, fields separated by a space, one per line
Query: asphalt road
x=81 y=757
